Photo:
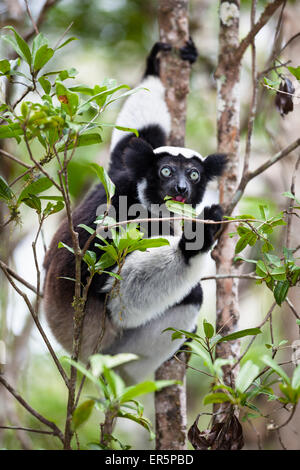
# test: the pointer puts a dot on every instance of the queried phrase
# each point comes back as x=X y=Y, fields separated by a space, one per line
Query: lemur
x=159 y=287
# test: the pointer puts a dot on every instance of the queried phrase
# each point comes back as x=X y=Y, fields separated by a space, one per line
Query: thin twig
x=19 y=428
x=254 y=337
x=17 y=277
x=254 y=94
x=291 y=205
x=268 y=12
x=31 y=410
x=292 y=308
x=265 y=166
x=15 y=159
x=31 y=18
x=37 y=322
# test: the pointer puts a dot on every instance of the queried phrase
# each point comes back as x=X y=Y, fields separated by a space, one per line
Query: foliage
x=115 y=399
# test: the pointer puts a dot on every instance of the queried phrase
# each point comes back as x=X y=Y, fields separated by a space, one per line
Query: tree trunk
x=228 y=127
x=170 y=403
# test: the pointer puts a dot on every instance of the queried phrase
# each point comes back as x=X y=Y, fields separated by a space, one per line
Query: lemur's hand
x=214 y=212
x=189 y=51
x=198 y=238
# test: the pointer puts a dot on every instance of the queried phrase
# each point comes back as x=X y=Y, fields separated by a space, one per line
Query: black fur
x=215 y=213
x=189 y=51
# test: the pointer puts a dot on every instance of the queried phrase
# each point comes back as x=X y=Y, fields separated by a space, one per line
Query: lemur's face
x=158 y=175
x=178 y=177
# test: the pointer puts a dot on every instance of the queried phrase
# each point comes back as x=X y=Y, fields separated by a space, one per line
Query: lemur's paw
x=215 y=213
x=189 y=51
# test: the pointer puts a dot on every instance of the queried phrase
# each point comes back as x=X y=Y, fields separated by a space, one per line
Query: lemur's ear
x=138 y=157
x=214 y=165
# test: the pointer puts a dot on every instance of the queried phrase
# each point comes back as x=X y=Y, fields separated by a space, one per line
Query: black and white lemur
x=159 y=287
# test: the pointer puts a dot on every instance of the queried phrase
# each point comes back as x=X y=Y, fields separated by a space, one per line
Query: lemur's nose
x=181 y=188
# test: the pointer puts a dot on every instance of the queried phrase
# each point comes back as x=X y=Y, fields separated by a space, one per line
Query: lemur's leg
x=151 y=345
x=147 y=108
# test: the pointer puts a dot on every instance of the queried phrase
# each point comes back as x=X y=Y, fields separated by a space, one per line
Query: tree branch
x=42 y=419
x=268 y=12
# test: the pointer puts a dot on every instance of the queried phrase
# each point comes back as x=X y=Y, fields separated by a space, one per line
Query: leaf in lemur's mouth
x=179 y=206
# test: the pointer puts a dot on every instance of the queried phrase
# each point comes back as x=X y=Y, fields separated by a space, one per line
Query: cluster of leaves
x=278 y=273
x=255 y=378
x=61 y=120
x=115 y=399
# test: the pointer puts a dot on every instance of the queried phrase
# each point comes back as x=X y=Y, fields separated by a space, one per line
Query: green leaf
x=278 y=274
x=105 y=180
x=291 y=195
x=274 y=366
x=63 y=245
x=240 y=334
x=296 y=378
x=246 y=239
x=66 y=42
x=38 y=186
x=53 y=208
x=138 y=419
x=145 y=387
x=262 y=210
x=246 y=376
x=100 y=361
x=180 y=208
x=272 y=83
x=90 y=258
x=43 y=55
x=19 y=45
x=33 y=202
x=281 y=290
x=261 y=269
x=114 y=381
x=46 y=85
x=10 y=130
x=5 y=191
x=4 y=66
x=82 y=141
x=79 y=366
x=208 y=329
x=143 y=245
x=295 y=71
x=69 y=100
x=218 y=397
x=82 y=413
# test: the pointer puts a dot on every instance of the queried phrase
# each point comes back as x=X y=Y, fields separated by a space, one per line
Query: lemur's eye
x=194 y=175
x=166 y=171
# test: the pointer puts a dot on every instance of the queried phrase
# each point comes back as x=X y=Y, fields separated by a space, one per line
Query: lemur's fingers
x=189 y=51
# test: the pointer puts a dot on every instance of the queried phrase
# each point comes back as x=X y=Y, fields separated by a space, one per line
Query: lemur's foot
x=152 y=67
x=189 y=51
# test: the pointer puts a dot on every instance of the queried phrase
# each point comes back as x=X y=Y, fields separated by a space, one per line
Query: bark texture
x=175 y=72
x=228 y=128
x=170 y=403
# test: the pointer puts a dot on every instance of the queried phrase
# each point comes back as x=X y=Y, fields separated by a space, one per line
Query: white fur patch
x=153 y=281
x=143 y=108
x=187 y=153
